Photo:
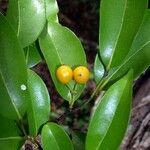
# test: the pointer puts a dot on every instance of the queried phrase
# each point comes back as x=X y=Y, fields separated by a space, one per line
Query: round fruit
x=64 y=74
x=81 y=74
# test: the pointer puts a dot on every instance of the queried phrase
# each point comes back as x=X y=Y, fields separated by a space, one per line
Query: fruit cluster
x=65 y=74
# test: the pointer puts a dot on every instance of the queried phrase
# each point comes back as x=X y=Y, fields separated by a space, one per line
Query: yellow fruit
x=81 y=74
x=64 y=74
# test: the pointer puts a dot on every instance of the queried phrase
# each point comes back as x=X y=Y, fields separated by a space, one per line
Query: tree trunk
x=138 y=134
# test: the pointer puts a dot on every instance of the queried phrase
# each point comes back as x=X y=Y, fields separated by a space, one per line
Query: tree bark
x=138 y=134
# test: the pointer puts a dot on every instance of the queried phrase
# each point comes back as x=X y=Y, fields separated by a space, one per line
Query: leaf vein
x=111 y=120
x=122 y=21
x=15 y=108
x=125 y=62
x=18 y=19
x=59 y=57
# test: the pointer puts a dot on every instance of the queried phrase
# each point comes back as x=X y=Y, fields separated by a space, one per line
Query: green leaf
x=78 y=140
x=138 y=57
x=10 y=135
x=119 y=22
x=52 y=10
x=8 y=128
x=98 y=70
x=55 y=138
x=27 y=18
x=33 y=56
x=11 y=143
x=60 y=46
x=38 y=104
x=110 y=119
x=13 y=74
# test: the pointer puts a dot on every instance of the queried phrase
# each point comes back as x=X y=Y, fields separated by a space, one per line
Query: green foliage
x=33 y=55
x=117 y=33
x=24 y=99
x=112 y=112
x=12 y=76
x=38 y=103
x=55 y=138
x=99 y=70
x=27 y=18
x=58 y=50
x=51 y=10
x=13 y=142
x=138 y=57
x=10 y=136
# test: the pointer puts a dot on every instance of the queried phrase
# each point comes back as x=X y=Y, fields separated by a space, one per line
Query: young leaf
x=33 y=56
x=60 y=46
x=55 y=138
x=119 y=22
x=10 y=135
x=27 y=18
x=98 y=70
x=38 y=104
x=139 y=55
x=13 y=74
x=110 y=119
x=51 y=10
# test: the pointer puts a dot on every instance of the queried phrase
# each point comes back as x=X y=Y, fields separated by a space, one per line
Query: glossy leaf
x=39 y=103
x=78 y=140
x=119 y=22
x=98 y=70
x=139 y=56
x=13 y=74
x=110 y=119
x=27 y=18
x=10 y=135
x=33 y=56
x=60 y=46
x=55 y=138
x=52 y=10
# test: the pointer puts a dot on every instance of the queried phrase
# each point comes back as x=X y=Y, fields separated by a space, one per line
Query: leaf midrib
x=51 y=133
x=34 y=118
x=122 y=21
x=11 y=138
x=59 y=57
x=112 y=117
x=13 y=104
x=18 y=27
x=32 y=103
x=140 y=27
x=125 y=62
